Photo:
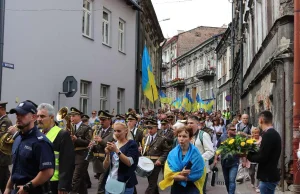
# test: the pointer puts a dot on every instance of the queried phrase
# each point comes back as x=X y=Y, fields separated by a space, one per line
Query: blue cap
x=24 y=108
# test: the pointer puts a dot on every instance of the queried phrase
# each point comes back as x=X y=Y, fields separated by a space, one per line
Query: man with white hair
x=61 y=181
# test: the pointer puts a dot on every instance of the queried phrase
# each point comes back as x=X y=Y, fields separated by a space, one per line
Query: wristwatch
x=119 y=153
x=28 y=187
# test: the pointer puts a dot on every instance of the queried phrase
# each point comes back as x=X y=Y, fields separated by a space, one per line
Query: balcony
x=178 y=83
x=205 y=74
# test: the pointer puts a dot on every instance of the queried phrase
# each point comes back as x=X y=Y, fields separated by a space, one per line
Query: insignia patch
x=41 y=137
x=3 y=128
x=155 y=148
x=28 y=147
x=21 y=104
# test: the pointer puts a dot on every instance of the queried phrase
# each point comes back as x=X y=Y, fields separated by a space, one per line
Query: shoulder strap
x=201 y=136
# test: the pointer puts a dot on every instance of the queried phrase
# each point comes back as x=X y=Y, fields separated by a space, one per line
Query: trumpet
x=6 y=142
x=63 y=115
x=90 y=153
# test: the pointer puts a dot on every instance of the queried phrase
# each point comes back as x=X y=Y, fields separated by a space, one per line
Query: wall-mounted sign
x=228 y=98
x=8 y=65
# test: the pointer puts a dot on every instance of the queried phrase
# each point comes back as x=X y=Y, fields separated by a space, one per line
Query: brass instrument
x=63 y=115
x=90 y=152
x=6 y=142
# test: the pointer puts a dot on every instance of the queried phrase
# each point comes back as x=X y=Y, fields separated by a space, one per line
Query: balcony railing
x=164 y=66
x=205 y=74
x=178 y=83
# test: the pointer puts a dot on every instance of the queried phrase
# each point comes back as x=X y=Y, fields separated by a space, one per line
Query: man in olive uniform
x=81 y=139
x=137 y=134
x=85 y=120
x=166 y=132
x=157 y=150
x=101 y=137
x=5 y=160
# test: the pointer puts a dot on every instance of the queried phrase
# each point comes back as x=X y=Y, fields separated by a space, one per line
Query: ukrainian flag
x=148 y=81
x=175 y=164
x=164 y=98
x=177 y=103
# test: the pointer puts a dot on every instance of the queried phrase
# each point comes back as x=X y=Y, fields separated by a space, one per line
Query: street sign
x=70 y=86
x=8 y=65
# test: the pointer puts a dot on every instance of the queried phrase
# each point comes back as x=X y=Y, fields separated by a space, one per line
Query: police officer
x=5 y=159
x=81 y=140
x=33 y=157
x=63 y=147
x=101 y=137
x=157 y=150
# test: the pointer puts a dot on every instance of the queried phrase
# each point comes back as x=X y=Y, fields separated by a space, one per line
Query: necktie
x=75 y=127
x=102 y=132
x=151 y=140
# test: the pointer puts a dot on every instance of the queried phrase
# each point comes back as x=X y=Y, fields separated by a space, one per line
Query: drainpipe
x=296 y=100
x=241 y=51
x=232 y=55
x=138 y=65
x=2 y=15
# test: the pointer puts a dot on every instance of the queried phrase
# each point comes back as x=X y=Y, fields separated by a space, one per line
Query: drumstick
x=146 y=145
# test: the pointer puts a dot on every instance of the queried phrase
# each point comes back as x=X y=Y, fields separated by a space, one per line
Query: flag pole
x=153 y=97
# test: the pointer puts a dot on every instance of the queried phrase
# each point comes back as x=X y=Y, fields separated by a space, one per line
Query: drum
x=144 y=167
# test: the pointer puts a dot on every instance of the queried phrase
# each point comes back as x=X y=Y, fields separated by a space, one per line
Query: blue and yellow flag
x=175 y=164
x=148 y=81
x=177 y=103
x=164 y=98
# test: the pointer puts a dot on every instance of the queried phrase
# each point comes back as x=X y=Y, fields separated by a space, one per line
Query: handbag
x=114 y=186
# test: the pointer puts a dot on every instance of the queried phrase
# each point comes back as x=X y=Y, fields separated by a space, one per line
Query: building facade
x=224 y=71
x=184 y=56
x=94 y=41
x=263 y=65
x=151 y=36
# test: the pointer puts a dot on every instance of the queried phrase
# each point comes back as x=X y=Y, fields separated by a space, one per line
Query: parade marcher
x=185 y=167
x=85 y=120
x=81 y=139
x=101 y=137
x=156 y=150
x=202 y=140
x=229 y=164
x=32 y=153
x=137 y=134
x=122 y=158
x=61 y=181
x=5 y=158
x=93 y=120
x=268 y=155
x=166 y=132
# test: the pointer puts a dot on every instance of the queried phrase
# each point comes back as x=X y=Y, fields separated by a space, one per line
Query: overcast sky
x=189 y=14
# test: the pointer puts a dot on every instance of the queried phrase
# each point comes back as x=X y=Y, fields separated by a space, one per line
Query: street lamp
x=164 y=20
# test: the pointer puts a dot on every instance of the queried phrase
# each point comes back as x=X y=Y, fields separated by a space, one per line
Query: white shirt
x=78 y=125
x=104 y=130
x=152 y=136
x=207 y=150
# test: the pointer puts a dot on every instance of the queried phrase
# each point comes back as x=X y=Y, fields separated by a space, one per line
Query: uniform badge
x=155 y=148
x=3 y=128
x=21 y=104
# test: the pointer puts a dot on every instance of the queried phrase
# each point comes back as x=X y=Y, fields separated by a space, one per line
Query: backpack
x=209 y=131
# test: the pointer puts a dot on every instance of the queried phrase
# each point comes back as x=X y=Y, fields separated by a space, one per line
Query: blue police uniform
x=32 y=152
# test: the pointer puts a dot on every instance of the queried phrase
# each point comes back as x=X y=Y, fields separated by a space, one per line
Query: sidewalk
x=244 y=188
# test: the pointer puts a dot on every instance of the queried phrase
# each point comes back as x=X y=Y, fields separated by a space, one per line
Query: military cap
x=132 y=117
x=3 y=104
x=85 y=117
x=164 y=121
x=75 y=111
x=118 y=116
x=104 y=115
x=151 y=122
x=170 y=116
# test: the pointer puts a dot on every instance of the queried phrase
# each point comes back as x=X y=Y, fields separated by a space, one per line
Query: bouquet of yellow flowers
x=237 y=146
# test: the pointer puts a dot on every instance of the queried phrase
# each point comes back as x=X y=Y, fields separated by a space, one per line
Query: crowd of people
x=52 y=156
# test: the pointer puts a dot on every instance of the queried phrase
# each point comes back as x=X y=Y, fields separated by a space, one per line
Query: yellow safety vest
x=51 y=135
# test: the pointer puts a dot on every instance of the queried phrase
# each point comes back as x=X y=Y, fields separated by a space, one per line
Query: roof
x=199 y=46
x=134 y=4
x=225 y=36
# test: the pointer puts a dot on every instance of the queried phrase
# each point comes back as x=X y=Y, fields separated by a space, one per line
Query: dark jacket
x=125 y=173
x=5 y=123
x=64 y=145
x=83 y=140
x=268 y=156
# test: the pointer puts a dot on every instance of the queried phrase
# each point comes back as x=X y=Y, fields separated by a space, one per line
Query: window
x=121 y=36
x=84 y=96
x=87 y=18
x=104 y=96
x=120 y=101
x=105 y=27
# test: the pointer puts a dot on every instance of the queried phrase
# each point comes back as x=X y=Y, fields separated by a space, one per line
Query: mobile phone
x=189 y=165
